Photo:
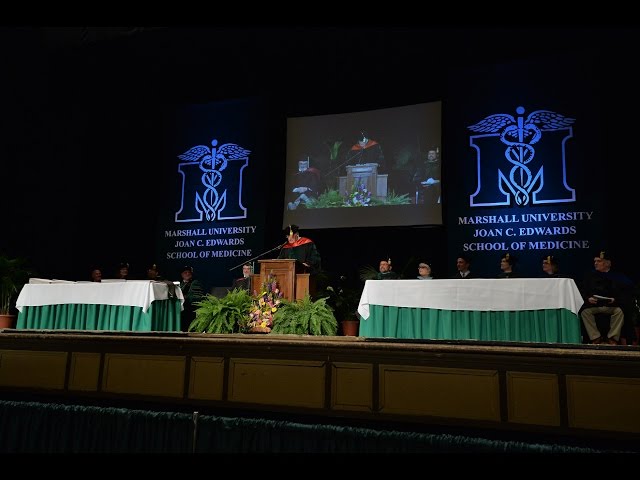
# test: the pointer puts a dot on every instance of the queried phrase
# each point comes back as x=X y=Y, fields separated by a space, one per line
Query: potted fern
x=305 y=317
x=222 y=315
x=13 y=276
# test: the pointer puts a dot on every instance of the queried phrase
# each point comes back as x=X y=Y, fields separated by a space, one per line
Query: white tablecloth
x=138 y=293
x=482 y=294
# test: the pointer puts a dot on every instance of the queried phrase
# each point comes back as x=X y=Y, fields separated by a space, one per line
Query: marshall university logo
x=521 y=160
x=212 y=183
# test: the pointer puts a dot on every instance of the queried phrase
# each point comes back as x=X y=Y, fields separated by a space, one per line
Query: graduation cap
x=604 y=255
x=186 y=268
x=362 y=136
x=424 y=265
x=290 y=229
x=511 y=260
x=124 y=265
x=550 y=259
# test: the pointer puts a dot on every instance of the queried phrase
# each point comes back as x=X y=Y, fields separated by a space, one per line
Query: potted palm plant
x=13 y=276
x=343 y=300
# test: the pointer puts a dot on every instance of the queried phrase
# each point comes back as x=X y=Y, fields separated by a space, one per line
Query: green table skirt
x=162 y=315
x=550 y=326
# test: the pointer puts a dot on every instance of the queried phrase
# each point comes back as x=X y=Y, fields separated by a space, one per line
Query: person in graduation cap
x=385 y=271
x=366 y=150
x=550 y=267
x=299 y=248
x=153 y=273
x=123 y=271
x=424 y=271
x=507 y=266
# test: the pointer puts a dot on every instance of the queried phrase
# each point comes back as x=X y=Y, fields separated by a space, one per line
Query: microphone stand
x=357 y=154
x=258 y=256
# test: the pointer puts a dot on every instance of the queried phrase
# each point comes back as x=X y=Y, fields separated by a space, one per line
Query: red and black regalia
x=303 y=250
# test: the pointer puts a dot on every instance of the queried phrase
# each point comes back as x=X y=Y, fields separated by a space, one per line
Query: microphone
x=261 y=255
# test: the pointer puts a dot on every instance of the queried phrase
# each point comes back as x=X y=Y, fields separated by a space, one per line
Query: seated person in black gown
x=605 y=292
x=244 y=282
x=424 y=271
x=153 y=273
x=385 y=271
x=192 y=292
x=307 y=185
x=301 y=249
x=507 y=265
x=96 y=275
x=123 y=271
x=550 y=267
x=463 y=267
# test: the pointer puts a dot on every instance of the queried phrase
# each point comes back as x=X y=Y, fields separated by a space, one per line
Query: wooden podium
x=364 y=174
x=293 y=283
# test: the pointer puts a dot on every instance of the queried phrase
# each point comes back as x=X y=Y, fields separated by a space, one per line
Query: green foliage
x=222 y=315
x=342 y=299
x=368 y=273
x=334 y=150
x=13 y=276
x=392 y=199
x=333 y=199
x=305 y=317
x=328 y=199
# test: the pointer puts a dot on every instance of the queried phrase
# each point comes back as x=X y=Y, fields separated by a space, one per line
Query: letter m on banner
x=516 y=164
x=212 y=183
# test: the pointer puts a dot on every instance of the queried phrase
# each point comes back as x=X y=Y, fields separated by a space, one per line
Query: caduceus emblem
x=212 y=162
x=520 y=134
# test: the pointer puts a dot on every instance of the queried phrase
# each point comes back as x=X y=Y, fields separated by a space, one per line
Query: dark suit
x=243 y=283
x=459 y=275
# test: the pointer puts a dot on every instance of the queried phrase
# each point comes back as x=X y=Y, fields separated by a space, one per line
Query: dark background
x=84 y=111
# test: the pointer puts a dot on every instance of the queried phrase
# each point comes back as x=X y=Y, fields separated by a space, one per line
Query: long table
x=134 y=305
x=515 y=309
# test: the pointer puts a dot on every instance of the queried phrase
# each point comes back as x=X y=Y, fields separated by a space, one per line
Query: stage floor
x=519 y=387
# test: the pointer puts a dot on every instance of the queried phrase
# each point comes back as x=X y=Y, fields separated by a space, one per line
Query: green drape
x=552 y=326
x=162 y=315
x=32 y=427
x=29 y=427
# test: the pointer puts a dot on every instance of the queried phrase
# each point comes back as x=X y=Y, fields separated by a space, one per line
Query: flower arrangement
x=360 y=196
x=264 y=306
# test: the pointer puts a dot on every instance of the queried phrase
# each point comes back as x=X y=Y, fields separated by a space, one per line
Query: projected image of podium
x=367 y=175
x=289 y=273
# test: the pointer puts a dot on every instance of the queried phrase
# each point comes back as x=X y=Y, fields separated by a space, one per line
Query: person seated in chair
x=123 y=271
x=424 y=271
x=604 y=292
x=507 y=265
x=385 y=272
x=153 y=273
x=96 y=275
x=307 y=185
x=550 y=267
x=463 y=267
x=192 y=292
x=244 y=282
